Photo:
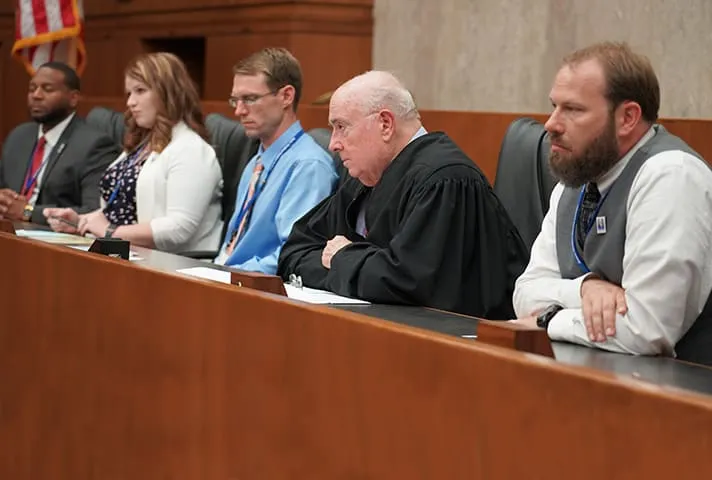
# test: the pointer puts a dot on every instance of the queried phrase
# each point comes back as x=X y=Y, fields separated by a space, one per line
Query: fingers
x=600 y=307
x=51 y=212
x=83 y=226
x=621 y=303
x=7 y=198
x=608 y=328
x=59 y=226
x=587 y=308
x=595 y=333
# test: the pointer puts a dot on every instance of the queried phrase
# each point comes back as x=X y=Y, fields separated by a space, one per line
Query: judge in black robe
x=436 y=235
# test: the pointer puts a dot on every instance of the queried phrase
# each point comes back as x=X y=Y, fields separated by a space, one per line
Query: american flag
x=49 y=30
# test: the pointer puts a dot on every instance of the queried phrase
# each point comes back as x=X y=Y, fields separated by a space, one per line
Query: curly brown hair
x=178 y=98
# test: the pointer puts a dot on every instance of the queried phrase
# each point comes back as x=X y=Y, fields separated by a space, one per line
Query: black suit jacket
x=74 y=167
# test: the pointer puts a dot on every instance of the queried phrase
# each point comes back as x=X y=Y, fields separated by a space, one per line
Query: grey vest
x=603 y=254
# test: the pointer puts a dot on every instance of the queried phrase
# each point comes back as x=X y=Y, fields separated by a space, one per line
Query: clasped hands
x=331 y=248
x=601 y=301
x=12 y=204
x=67 y=220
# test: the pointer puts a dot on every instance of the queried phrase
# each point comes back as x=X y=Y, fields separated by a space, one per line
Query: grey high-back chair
x=322 y=136
x=524 y=183
x=233 y=149
x=108 y=121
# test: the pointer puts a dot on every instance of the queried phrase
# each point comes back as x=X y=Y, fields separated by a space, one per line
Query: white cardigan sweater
x=178 y=193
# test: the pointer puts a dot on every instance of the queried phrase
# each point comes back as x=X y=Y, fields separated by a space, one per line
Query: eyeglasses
x=248 y=100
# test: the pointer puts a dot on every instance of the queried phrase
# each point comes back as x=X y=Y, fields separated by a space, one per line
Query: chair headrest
x=322 y=136
x=108 y=121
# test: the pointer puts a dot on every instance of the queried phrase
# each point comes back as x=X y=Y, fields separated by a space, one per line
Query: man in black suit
x=57 y=160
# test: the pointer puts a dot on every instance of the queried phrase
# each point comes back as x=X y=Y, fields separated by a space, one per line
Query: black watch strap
x=543 y=319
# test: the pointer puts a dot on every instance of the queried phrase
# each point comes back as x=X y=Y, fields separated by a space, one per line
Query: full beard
x=598 y=157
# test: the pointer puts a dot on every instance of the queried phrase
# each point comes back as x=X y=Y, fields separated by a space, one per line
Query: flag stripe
x=27 y=21
x=41 y=55
x=39 y=15
x=68 y=15
x=55 y=16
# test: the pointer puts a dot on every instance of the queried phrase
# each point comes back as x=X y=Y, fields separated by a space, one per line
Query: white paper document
x=54 y=237
x=305 y=294
x=207 y=273
x=312 y=295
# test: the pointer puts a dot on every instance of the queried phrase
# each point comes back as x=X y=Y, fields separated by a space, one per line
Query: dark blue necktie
x=591 y=197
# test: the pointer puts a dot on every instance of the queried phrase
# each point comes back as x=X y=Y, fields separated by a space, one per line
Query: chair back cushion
x=524 y=182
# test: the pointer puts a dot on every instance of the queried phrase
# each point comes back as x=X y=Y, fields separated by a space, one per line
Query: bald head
x=373 y=118
x=378 y=90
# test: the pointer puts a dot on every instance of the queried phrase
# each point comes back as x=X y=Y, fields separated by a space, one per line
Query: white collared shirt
x=667 y=264
x=52 y=136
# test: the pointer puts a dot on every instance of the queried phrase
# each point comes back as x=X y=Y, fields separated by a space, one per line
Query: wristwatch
x=543 y=319
x=110 y=231
x=27 y=212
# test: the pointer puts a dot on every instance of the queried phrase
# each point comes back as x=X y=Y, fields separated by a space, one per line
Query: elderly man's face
x=356 y=137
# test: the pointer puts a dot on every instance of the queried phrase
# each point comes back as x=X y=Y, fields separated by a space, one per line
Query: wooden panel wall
x=331 y=38
x=479 y=134
x=12 y=103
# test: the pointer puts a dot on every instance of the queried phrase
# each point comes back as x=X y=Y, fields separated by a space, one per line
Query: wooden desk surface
x=111 y=371
x=660 y=371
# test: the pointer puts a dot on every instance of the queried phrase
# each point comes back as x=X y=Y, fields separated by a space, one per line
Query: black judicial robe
x=437 y=236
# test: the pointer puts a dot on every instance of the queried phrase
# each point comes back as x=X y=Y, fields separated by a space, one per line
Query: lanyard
x=261 y=184
x=130 y=161
x=579 y=259
x=31 y=180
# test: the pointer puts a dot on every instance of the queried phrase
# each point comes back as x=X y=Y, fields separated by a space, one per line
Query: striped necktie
x=37 y=159
x=591 y=197
x=237 y=233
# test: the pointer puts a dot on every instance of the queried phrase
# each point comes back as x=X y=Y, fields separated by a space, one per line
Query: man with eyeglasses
x=290 y=173
x=417 y=223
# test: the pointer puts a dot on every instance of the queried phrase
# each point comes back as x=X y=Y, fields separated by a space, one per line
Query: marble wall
x=501 y=55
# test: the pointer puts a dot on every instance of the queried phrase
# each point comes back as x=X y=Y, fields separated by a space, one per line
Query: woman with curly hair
x=164 y=190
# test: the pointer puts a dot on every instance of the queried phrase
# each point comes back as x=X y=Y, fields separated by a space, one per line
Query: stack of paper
x=54 y=237
x=309 y=295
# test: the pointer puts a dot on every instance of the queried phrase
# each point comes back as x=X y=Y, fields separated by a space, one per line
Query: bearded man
x=623 y=261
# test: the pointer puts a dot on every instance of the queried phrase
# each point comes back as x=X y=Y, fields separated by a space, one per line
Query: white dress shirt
x=52 y=136
x=667 y=274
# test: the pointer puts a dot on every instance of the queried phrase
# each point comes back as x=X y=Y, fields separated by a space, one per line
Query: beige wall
x=501 y=55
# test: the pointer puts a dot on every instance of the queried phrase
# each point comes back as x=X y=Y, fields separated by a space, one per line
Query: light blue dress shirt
x=301 y=178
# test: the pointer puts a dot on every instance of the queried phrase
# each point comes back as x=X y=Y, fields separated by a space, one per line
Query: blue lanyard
x=579 y=260
x=261 y=184
x=31 y=180
x=128 y=162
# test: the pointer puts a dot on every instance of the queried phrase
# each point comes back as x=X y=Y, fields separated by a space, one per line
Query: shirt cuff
x=570 y=292
x=564 y=324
